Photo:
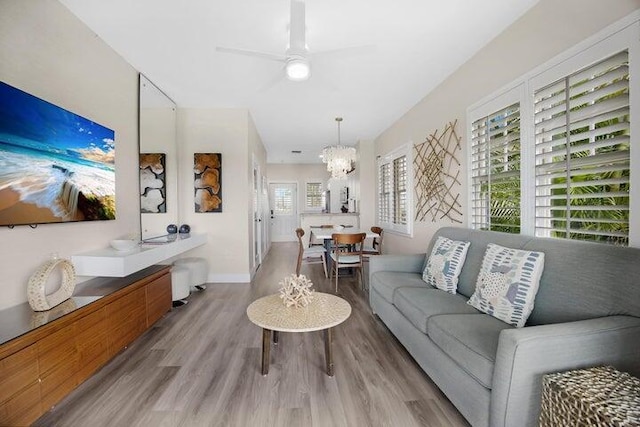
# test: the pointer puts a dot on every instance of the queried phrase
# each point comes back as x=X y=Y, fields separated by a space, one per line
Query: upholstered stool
x=198 y=271
x=180 y=279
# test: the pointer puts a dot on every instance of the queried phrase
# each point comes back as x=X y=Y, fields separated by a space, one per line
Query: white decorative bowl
x=123 y=245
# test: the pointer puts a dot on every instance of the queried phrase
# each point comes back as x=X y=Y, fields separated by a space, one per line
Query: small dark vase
x=185 y=229
x=172 y=229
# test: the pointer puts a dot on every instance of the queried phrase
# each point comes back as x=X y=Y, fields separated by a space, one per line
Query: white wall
x=366 y=184
x=225 y=131
x=46 y=51
x=543 y=32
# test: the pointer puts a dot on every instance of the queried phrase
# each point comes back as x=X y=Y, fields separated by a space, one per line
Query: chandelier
x=340 y=159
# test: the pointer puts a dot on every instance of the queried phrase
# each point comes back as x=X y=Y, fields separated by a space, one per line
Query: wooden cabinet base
x=39 y=368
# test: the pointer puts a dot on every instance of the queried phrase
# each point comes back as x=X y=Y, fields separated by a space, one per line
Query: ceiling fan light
x=298 y=70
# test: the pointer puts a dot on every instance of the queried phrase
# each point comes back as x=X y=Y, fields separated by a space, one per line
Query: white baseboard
x=229 y=278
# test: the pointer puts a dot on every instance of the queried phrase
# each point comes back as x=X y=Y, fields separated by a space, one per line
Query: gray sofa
x=586 y=313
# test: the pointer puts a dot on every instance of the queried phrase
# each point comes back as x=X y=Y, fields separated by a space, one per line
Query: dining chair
x=312 y=240
x=373 y=250
x=376 y=244
x=347 y=253
x=310 y=255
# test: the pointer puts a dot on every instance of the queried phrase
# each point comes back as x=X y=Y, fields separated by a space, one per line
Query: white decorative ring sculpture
x=38 y=299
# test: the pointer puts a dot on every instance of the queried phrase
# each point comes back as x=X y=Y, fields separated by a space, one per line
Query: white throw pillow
x=508 y=283
x=445 y=263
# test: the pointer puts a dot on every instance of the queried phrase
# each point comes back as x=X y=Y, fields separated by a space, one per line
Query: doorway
x=283 y=206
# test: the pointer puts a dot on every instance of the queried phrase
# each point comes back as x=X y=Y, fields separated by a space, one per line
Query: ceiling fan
x=296 y=57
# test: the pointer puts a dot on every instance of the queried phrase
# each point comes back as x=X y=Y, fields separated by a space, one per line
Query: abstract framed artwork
x=153 y=176
x=207 y=171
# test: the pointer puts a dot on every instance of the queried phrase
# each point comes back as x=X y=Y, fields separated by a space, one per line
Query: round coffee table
x=323 y=313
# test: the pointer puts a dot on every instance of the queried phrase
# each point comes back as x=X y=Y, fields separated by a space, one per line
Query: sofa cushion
x=386 y=282
x=419 y=304
x=471 y=340
x=604 y=276
x=479 y=241
x=508 y=283
x=444 y=263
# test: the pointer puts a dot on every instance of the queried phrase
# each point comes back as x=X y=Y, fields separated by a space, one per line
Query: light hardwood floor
x=200 y=366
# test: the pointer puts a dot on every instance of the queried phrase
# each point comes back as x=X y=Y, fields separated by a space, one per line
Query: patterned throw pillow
x=444 y=264
x=507 y=284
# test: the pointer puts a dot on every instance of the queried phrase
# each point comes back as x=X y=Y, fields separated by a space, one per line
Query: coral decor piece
x=437 y=176
x=38 y=299
x=296 y=291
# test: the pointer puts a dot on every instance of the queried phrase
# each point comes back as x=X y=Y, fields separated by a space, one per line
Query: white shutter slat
x=546 y=188
x=586 y=220
x=579 y=172
x=585 y=232
x=544 y=124
x=611 y=104
x=590 y=93
x=592 y=134
x=549 y=90
x=543 y=105
x=545 y=109
x=617 y=60
x=586 y=196
x=616 y=157
x=549 y=156
x=587 y=208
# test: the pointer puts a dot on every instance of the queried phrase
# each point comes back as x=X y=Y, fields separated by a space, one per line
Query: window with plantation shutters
x=582 y=154
x=394 y=195
x=314 y=196
x=551 y=155
x=495 y=171
x=283 y=201
x=400 y=190
x=384 y=196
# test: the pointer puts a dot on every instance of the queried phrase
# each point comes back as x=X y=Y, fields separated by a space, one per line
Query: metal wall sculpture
x=207 y=169
x=437 y=176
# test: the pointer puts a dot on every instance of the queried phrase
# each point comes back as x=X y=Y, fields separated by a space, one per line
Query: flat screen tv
x=55 y=166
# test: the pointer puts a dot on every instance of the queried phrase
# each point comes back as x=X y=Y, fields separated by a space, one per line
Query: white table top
x=325 y=233
x=325 y=311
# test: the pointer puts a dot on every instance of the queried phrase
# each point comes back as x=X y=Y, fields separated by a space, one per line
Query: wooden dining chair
x=376 y=244
x=310 y=255
x=312 y=240
x=347 y=253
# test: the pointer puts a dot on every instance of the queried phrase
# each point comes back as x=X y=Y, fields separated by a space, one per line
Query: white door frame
x=257 y=216
x=264 y=203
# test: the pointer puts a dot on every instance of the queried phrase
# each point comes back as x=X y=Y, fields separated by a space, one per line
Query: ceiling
x=387 y=55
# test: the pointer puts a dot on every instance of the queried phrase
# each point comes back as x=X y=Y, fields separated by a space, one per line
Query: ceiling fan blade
x=263 y=55
x=297 y=36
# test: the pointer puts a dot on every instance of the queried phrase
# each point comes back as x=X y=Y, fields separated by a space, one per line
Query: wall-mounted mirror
x=158 y=161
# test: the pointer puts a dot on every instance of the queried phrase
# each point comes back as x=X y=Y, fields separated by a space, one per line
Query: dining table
x=325 y=233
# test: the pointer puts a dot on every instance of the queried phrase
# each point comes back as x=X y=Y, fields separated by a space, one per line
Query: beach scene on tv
x=55 y=166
